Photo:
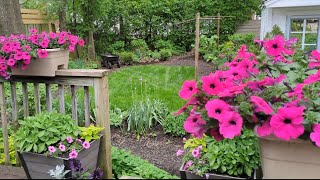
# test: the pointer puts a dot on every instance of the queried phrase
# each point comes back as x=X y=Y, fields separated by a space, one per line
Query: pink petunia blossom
x=61 y=41
x=73 y=154
x=53 y=35
x=33 y=31
x=11 y=62
x=196 y=153
x=214 y=132
x=274 y=47
x=287 y=123
x=187 y=165
x=179 y=152
x=261 y=105
x=237 y=73
x=231 y=125
x=42 y=53
x=69 y=139
x=71 y=48
x=18 y=56
x=26 y=55
x=3 y=66
x=52 y=149
x=62 y=147
x=265 y=129
x=315 y=134
x=26 y=61
x=193 y=101
x=195 y=125
x=312 y=78
x=81 y=42
x=315 y=59
x=24 y=66
x=189 y=88
x=86 y=145
x=211 y=84
x=44 y=44
x=217 y=109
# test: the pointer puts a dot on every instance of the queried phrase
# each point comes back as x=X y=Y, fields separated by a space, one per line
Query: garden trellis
x=197 y=35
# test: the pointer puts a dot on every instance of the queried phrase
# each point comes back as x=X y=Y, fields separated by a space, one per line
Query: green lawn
x=136 y=83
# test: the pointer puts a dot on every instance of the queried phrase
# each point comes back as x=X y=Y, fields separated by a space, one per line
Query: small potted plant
x=51 y=139
x=36 y=54
x=207 y=158
x=275 y=93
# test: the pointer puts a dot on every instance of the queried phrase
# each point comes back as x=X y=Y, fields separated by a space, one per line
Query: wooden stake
x=196 y=49
x=218 y=30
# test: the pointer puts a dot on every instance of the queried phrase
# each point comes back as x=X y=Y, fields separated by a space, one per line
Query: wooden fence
x=75 y=79
x=33 y=18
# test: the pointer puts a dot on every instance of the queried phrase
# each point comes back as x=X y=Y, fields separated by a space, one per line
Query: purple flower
x=62 y=147
x=69 y=139
x=196 y=153
x=86 y=145
x=97 y=174
x=73 y=154
x=187 y=165
x=207 y=176
x=179 y=152
x=52 y=149
x=75 y=165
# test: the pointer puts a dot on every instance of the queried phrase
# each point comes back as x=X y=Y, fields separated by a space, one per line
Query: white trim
x=270 y=2
x=291 y=3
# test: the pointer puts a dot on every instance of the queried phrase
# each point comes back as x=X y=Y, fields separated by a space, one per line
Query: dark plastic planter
x=185 y=174
x=37 y=166
x=108 y=60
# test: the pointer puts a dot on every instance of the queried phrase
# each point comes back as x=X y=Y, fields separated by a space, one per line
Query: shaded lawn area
x=136 y=83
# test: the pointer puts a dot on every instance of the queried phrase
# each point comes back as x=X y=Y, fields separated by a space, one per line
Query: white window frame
x=289 y=18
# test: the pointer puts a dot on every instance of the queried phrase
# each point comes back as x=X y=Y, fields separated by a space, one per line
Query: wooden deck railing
x=97 y=79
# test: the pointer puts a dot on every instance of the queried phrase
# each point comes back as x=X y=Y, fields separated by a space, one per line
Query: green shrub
x=275 y=31
x=239 y=39
x=165 y=54
x=208 y=45
x=117 y=116
x=83 y=64
x=12 y=150
x=36 y=133
x=139 y=47
x=173 y=125
x=163 y=44
x=124 y=163
x=156 y=55
x=238 y=157
x=142 y=116
x=116 y=48
x=128 y=57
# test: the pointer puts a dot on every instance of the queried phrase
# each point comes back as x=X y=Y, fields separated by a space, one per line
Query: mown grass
x=136 y=83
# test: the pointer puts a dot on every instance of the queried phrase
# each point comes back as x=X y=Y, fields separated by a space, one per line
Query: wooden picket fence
x=33 y=18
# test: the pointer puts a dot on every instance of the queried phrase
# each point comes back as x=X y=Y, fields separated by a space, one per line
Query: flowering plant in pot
x=208 y=158
x=274 y=92
x=51 y=139
x=28 y=54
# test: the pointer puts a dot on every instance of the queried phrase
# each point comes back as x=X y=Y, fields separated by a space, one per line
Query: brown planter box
x=37 y=166
x=297 y=159
x=57 y=59
x=185 y=174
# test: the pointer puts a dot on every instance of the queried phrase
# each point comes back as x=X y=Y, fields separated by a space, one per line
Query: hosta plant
x=275 y=91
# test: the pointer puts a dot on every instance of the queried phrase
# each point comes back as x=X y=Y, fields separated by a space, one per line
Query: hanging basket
x=57 y=59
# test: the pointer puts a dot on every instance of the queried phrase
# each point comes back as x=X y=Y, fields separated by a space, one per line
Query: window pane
x=312 y=25
x=296 y=25
x=309 y=48
x=311 y=38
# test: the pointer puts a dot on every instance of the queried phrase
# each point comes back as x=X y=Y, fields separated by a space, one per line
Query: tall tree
x=10 y=17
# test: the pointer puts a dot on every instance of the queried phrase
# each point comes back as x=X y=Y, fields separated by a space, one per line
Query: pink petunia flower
x=265 y=129
x=231 y=125
x=52 y=149
x=26 y=55
x=211 y=84
x=187 y=165
x=53 y=35
x=33 y=31
x=189 y=88
x=315 y=59
x=287 y=123
x=62 y=147
x=261 y=105
x=18 y=56
x=179 y=152
x=196 y=153
x=24 y=66
x=69 y=139
x=193 y=101
x=195 y=125
x=86 y=145
x=217 y=109
x=42 y=53
x=3 y=66
x=81 y=42
x=71 y=48
x=315 y=134
x=73 y=154
x=312 y=78
x=274 y=47
x=11 y=62
x=214 y=132
x=44 y=44
x=61 y=41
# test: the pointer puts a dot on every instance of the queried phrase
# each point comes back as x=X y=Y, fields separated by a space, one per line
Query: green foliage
x=143 y=116
x=165 y=54
x=275 y=31
x=12 y=151
x=164 y=44
x=38 y=132
x=90 y=133
x=173 y=125
x=117 y=47
x=139 y=47
x=128 y=57
x=124 y=163
x=83 y=64
x=156 y=55
x=238 y=157
x=117 y=116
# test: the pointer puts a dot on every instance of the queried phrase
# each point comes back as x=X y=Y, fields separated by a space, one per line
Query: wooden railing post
x=101 y=95
x=4 y=121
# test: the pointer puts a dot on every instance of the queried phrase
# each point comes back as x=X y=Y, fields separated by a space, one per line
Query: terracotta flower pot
x=297 y=159
x=57 y=59
x=37 y=166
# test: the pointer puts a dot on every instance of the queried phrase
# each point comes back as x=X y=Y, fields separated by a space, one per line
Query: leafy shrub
x=36 y=133
x=238 y=157
x=117 y=47
x=275 y=31
x=239 y=39
x=156 y=55
x=146 y=114
x=90 y=133
x=117 y=116
x=173 y=125
x=124 y=163
x=165 y=54
x=139 y=47
x=208 y=45
x=83 y=64
x=163 y=44
x=128 y=57
x=12 y=151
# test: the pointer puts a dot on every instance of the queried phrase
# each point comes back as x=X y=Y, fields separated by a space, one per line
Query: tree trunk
x=91 y=49
x=62 y=20
x=10 y=17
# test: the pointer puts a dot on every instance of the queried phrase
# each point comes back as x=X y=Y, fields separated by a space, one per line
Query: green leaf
x=41 y=133
x=28 y=148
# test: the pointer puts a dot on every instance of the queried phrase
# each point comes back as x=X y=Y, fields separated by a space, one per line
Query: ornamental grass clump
x=17 y=51
x=275 y=91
